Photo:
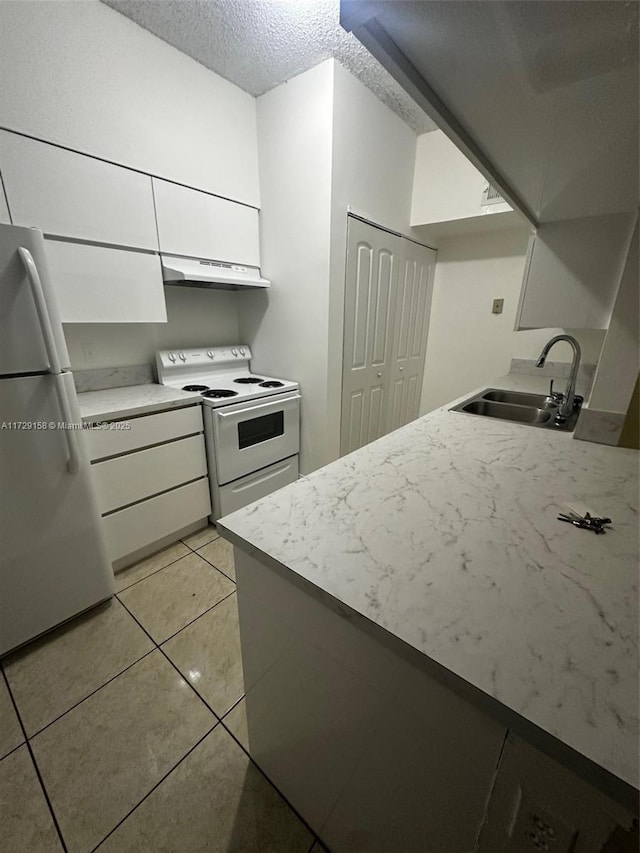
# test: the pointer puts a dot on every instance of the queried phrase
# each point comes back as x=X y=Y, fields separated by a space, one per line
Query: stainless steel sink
x=538 y=401
x=517 y=407
x=508 y=412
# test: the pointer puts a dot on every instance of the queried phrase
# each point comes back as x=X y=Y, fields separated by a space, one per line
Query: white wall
x=373 y=156
x=446 y=185
x=84 y=76
x=195 y=317
x=326 y=146
x=469 y=346
x=81 y=75
x=618 y=368
x=372 y=175
x=288 y=325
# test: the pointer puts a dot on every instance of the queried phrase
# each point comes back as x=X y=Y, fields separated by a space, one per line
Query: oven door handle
x=270 y=404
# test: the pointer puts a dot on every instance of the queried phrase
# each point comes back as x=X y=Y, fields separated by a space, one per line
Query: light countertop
x=131 y=400
x=445 y=534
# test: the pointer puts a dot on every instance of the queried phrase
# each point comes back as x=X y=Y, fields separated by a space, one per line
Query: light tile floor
x=125 y=730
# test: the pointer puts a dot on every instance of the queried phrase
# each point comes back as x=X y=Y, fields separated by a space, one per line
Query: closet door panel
x=412 y=308
x=372 y=262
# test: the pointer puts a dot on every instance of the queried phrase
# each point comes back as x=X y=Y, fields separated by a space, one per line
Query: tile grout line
x=34 y=762
x=213 y=565
x=150 y=575
x=14 y=748
x=155 y=571
x=93 y=692
x=189 y=751
x=175 y=634
x=269 y=782
x=205 y=559
x=167 y=658
x=195 y=551
x=157 y=784
x=218 y=721
x=168 y=566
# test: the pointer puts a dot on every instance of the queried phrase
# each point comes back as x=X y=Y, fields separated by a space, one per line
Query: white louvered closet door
x=371 y=277
x=411 y=326
x=387 y=301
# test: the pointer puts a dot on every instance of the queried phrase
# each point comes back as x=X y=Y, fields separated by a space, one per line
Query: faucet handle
x=558 y=396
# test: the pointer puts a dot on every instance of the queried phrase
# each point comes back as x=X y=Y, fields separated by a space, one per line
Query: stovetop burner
x=248 y=380
x=217 y=393
x=195 y=388
x=271 y=384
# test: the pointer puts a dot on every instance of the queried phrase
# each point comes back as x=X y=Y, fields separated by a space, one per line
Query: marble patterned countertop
x=445 y=534
x=115 y=403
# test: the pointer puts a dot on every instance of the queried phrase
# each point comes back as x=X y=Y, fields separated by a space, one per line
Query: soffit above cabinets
x=259 y=44
x=541 y=96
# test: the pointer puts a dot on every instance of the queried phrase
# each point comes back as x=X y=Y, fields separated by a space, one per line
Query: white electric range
x=251 y=422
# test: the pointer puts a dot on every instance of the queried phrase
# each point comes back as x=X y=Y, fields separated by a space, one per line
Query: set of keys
x=586 y=521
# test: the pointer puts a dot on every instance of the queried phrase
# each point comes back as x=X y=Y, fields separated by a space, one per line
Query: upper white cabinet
x=71 y=195
x=448 y=193
x=200 y=225
x=573 y=271
x=96 y=284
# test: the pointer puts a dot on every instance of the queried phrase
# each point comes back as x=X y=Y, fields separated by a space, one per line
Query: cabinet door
x=71 y=195
x=412 y=309
x=572 y=273
x=200 y=225
x=371 y=279
x=99 y=285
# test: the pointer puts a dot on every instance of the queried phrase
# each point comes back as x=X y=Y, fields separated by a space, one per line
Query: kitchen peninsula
x=421 y=635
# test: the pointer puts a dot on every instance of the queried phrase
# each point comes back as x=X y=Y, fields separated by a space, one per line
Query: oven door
x=252 y=435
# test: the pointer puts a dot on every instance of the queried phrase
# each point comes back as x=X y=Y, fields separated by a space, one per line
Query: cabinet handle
x=379 y=375
x=401 y=368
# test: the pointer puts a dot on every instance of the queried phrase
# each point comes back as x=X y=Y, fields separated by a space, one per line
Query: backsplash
x=553 y=369
x=101 y=378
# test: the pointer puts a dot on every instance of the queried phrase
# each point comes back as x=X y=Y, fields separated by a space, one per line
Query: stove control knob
x=172 y=357
x=182 y=356
x=210 y=353
x=234 y=352
x=242 y=351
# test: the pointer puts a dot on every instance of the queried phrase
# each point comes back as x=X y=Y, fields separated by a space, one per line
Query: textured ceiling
x=258 y=44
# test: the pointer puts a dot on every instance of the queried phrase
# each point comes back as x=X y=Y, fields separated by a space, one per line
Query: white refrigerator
x=53 y=556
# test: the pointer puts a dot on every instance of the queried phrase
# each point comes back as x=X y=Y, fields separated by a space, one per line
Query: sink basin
x=518 y=407
x=508 y=412
x=538 y=401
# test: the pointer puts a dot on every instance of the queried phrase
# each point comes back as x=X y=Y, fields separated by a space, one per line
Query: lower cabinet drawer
x=251 y=488
x=144 y=431
x=137 y=526
x=127 y=479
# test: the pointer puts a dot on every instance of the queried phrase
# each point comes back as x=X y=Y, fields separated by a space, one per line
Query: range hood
x=193 y=272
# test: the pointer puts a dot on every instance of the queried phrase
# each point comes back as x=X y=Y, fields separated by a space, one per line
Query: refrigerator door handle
x=41 y=308
x=69 y=427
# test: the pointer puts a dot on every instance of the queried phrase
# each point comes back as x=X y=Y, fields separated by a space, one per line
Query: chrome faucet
x=566 y=400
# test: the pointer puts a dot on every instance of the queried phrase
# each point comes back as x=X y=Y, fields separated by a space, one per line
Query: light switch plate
x=498 y=305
